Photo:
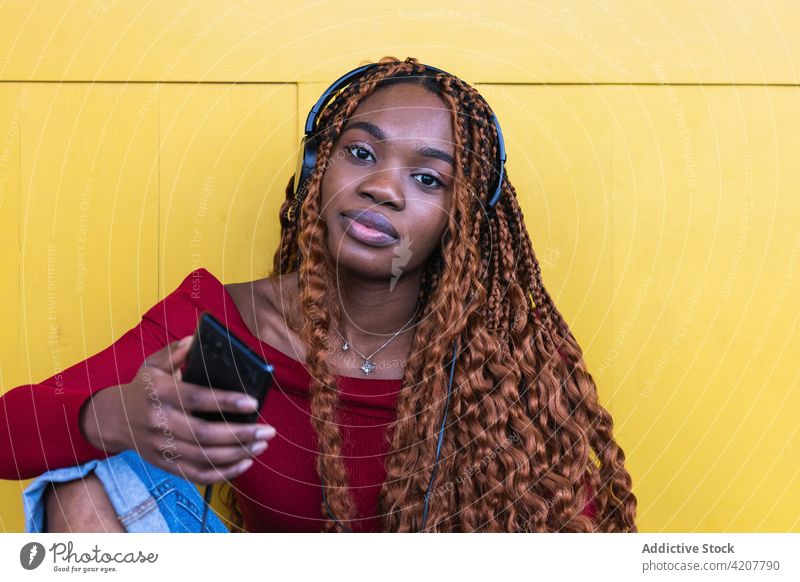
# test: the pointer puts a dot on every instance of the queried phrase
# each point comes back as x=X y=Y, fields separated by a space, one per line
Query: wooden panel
x=88 y=221
x=706 y=260
x=86 y=243
x=680 y=41
x=227 y=153
x=13 y=100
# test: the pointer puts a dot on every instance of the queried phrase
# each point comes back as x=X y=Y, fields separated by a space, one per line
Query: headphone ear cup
x=305 y=166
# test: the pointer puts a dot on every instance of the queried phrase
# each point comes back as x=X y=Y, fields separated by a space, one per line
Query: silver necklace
x=368 y=366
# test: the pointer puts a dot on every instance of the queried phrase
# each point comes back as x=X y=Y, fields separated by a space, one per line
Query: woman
x=373 y=313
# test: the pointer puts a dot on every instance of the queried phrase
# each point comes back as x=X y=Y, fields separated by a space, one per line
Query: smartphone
x=219 y=359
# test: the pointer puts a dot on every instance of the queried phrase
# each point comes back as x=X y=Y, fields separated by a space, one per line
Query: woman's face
x=394 y=157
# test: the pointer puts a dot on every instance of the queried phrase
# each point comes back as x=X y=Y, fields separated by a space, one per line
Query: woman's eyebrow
x=422 y=150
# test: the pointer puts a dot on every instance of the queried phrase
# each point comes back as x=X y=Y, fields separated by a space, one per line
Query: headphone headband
x=308 y=157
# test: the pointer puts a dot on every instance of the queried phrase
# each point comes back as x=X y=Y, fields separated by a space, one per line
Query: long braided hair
x=525 y=433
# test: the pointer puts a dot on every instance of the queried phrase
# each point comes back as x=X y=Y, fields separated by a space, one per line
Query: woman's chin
x=361 y=263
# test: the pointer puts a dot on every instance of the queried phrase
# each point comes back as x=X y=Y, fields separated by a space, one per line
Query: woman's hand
x=152 y=415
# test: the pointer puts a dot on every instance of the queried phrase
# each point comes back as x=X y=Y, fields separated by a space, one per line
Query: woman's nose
x=385 y=186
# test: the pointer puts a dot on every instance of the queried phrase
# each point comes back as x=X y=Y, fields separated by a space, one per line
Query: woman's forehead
x=405 y=96
x=405 y=111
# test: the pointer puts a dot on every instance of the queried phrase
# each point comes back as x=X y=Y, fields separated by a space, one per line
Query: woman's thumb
x=170 y=356
x=183 y=350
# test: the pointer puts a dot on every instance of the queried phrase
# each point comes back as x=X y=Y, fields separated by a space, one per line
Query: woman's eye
x=358 y=148
x=435 y=181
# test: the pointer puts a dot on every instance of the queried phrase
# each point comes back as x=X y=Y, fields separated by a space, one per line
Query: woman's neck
x=373 y=311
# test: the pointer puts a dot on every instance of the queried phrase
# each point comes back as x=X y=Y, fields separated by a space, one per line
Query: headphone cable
x=435 y=463
x=441 y=438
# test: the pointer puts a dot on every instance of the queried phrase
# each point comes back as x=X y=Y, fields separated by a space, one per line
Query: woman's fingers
x=207 y=463
x=192 y=397
x=208 y=457
x=206 y=433
x=208 y=476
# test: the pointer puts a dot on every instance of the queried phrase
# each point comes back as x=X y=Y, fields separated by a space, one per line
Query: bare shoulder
x=265 y=303
x=244 y=293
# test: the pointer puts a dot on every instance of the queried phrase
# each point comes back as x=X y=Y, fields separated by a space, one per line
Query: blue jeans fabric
x=146 y=498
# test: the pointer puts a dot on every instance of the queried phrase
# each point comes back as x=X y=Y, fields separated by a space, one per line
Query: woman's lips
x=372 y=219
x=364 y=234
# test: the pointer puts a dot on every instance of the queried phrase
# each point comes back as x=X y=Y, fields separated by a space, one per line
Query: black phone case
x=219 y=359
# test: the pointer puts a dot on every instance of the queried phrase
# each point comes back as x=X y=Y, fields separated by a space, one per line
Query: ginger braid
x=526 y=434
x=615 y=502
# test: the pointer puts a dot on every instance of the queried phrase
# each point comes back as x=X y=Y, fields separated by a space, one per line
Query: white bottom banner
x=225 y=557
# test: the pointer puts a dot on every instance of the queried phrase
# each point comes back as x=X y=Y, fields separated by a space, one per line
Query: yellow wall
x=654 y=148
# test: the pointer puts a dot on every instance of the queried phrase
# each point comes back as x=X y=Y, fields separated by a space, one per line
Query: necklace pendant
x=368 y=367
x=345 y=347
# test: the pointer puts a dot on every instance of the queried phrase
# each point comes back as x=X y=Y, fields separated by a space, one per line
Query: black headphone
x=305 y=167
